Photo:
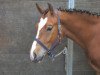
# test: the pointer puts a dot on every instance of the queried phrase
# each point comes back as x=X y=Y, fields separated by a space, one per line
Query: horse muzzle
x=36 y=59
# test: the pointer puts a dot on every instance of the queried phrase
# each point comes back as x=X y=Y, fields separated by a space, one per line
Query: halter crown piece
x=55 y=43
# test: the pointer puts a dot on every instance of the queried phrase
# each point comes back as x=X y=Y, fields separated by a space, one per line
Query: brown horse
x=83 y=27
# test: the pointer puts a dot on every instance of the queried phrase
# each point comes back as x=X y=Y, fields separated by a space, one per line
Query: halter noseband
x=55 y=43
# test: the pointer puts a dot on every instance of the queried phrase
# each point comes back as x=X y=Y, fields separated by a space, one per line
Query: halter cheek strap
x=49 y=51
x=59 y=29
x=55 y=43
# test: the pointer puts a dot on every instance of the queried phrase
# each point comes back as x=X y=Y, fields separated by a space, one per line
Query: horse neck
x=77 y=27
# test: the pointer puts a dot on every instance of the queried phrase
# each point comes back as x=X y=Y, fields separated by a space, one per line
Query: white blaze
x=40 y=26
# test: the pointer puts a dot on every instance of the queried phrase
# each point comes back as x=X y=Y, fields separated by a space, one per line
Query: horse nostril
x=35 y=55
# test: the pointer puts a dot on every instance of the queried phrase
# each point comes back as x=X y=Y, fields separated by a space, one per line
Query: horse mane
x=79 y=11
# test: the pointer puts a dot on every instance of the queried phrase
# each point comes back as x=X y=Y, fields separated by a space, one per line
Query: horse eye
x=49 y=28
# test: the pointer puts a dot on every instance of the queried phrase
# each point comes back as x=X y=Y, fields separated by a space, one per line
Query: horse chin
x=38 y=60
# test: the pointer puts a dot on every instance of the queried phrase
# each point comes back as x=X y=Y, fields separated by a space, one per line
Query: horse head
x=47 y=33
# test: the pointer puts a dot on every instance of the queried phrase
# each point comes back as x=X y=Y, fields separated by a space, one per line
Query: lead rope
x=64 y=51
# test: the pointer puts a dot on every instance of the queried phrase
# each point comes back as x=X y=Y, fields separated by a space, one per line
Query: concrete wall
x=17 y=32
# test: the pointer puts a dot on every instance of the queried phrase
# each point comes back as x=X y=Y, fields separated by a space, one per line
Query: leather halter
x=55 y=43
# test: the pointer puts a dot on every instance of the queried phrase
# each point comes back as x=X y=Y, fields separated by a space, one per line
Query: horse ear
x=41 y=10
x=51 y=8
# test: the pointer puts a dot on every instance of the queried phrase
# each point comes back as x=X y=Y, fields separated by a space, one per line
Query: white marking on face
x=40 y=26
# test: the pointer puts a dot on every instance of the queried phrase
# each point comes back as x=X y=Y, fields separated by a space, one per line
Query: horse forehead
x=42 y=22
